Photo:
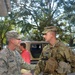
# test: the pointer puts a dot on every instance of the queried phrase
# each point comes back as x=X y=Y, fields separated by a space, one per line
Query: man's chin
x=17 y=45
x=46 y=40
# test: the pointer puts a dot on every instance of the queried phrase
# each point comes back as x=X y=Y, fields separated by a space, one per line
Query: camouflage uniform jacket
x=11 y=63
x=59 y=51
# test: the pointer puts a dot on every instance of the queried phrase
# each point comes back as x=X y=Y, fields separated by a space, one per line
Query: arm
x=27 y=66
x=3 y=67
x=65 y=52
x=40 y=65
x=23 y=64
x=63 y=56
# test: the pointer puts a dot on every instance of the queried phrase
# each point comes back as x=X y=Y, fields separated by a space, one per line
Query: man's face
x=16 y=42
x=48 y=36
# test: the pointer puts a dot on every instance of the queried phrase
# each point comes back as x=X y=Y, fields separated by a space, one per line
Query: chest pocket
x=12 y=63
x=47 y=54
x=13 y=67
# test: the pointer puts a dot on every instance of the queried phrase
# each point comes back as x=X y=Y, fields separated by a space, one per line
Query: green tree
x=43 y=13
x=31 y=16
x=6 y=23
x=69 y=13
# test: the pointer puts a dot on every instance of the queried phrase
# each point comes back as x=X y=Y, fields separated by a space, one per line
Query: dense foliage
x=31 y=16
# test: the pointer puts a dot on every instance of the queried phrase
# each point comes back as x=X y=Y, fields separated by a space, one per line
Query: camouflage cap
x=12 y=34
x=49 y=28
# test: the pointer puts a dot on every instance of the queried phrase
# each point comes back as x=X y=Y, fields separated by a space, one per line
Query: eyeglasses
x=44 y=33
x=18 y=39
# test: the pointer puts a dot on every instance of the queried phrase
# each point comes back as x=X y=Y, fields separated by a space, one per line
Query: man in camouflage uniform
x=55 y=50
x=10 y=60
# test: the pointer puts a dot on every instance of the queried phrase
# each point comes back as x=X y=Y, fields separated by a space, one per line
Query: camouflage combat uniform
x=59 y=51
x=11 y=63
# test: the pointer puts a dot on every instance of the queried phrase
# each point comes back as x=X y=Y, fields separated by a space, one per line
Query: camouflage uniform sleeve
x=63 y=56
x=66 y=52
x=27 y=66
x=41 y=63
x=39 y=67
x=24 y=65
x=3 y=65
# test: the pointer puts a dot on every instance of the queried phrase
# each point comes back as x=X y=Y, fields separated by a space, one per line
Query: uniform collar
x=56 y=44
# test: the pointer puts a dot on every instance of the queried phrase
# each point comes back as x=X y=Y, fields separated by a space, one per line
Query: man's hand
x=27 y=74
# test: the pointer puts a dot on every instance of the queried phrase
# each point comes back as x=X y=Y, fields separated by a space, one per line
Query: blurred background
x=29 y=17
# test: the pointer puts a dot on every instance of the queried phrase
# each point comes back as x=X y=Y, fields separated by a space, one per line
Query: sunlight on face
x=48 y=36
x=16 y=42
